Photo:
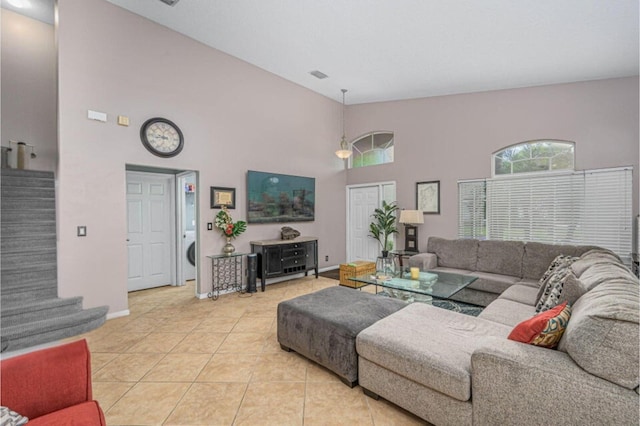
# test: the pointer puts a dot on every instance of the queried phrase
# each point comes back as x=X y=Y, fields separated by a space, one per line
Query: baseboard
x=118 y=314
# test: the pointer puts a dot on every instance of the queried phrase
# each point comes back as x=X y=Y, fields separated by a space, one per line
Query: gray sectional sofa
x=453 y=369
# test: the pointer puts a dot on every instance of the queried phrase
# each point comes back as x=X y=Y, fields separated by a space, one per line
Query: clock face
x=161 y=137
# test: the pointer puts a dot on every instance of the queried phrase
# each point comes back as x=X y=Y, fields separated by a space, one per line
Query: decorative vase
x=228 y=248
x=385 y=253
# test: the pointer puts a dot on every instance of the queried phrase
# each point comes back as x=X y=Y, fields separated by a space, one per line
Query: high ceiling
x=399 y=49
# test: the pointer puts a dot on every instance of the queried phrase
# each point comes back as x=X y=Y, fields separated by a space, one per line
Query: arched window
x=372 y=149
x=534 y=156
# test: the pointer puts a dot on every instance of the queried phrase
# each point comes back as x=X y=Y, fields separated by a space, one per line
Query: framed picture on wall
x=428 y=197
x=223 y=197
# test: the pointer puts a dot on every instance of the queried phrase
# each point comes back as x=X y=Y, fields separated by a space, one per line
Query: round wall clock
x=161 y=137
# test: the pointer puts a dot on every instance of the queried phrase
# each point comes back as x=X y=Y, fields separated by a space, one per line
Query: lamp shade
x=411 y=217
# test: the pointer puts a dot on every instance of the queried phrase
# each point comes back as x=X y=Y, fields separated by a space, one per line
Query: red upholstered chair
x=51 y=386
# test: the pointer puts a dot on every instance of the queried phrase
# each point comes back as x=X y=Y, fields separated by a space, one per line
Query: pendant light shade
x=344 y=152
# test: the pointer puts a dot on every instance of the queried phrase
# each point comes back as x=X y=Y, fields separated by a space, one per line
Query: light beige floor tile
x=272 y=404
x=317 y=373
x=141 y=324
x=237 y=336
x=196 y=342
x=146 y=404
x=216 y=325
x=182 y=325
x=208 y=404
x=117 y=342
x=177 y=368
x=335 y=403
x=280 y=367
x=100 y=359
x=272 y=345
x=157 y=343
x=228 y=368
x=253 y=325
x=108 y=393
x=127 y=368
x=386 y=414
x=243 y=343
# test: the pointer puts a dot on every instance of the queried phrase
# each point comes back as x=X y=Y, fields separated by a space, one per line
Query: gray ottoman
x=323 y=326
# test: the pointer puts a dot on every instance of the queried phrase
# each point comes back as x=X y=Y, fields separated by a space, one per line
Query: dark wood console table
x=285 y=257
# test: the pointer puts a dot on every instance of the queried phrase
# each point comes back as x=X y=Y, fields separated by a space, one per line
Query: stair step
x=28 y=293
x=51 y=329
x=18 y=205
x=41 y=274
x=23 y=175
x=14 y=193
x=27 y=244
x=28 y=230
x=37 y=260
x=28 y=216
x=35 y=310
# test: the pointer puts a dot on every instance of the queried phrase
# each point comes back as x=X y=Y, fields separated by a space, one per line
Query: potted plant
x=384 y=225
x=229 y=228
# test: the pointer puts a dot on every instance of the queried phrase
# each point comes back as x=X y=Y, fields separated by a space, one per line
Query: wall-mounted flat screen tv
x=275 y=198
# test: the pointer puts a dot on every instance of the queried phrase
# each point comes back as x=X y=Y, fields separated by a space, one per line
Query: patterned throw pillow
x=552 y=282
x=544 y=329
x=11 y=418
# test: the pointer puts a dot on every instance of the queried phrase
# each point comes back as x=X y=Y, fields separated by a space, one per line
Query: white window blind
x=589 y=208
x=472 y=209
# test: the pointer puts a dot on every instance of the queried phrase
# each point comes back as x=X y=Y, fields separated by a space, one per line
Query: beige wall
x=450 y=138
x=235 y=117
x=29 y=87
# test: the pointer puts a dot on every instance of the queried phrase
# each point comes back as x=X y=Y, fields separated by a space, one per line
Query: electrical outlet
x=326 y=258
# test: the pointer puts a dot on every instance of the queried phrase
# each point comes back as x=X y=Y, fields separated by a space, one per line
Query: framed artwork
x=223 y=197
x=428 y=197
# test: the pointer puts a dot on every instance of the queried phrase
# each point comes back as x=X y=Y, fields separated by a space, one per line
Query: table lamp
x=411 y=218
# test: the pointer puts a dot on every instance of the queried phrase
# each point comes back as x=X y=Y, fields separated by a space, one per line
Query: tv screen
x=273 y=198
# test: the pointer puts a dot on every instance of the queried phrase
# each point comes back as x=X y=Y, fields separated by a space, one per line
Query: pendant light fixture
x=344 y=152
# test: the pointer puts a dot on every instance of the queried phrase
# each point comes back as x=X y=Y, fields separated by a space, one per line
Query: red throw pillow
x=544 y=329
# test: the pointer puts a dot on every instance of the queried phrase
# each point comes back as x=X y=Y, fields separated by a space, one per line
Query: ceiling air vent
x=170 y=2
x=318 y=74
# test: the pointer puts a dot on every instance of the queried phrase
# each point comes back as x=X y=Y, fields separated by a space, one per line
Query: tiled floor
x=177 y=360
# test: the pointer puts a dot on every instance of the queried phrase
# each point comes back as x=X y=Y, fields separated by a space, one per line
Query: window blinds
x=591 y=207
x=472 y=209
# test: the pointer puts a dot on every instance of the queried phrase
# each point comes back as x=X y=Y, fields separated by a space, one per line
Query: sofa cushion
x=521 y=293
x=544 y=329
x=492 y=283
x=530 y=283
x=603 y=334
x=601 y=272
x=460 y=254
x=428 y=345
x=507 y=312
x=538 y=256
x=85 y=414
x=593 y=257
x=500 y=257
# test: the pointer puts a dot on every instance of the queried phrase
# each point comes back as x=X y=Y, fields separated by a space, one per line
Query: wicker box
x=359 y=267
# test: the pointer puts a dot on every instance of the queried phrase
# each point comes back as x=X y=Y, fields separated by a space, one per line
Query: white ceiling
x=399 y=49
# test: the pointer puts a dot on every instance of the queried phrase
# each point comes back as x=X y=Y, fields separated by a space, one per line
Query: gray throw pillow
x=552 y=282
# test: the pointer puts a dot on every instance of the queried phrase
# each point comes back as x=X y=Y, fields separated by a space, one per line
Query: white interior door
x=150 y=230
x=362 y=200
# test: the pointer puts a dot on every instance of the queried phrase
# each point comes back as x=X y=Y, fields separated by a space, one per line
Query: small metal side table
x=227 y=271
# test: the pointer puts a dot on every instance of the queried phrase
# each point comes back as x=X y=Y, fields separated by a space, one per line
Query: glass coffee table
x=430 y=284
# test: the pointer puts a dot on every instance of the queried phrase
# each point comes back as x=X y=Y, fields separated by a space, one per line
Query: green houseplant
x=384 y=225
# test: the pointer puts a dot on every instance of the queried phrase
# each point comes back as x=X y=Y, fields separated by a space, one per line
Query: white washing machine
x=189 y=259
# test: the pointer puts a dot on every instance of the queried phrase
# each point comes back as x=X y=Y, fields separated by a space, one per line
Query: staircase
x=31 y=313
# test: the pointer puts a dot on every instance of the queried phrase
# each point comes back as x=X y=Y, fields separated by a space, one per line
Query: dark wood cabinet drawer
x=292 y=262
x=293 y=252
